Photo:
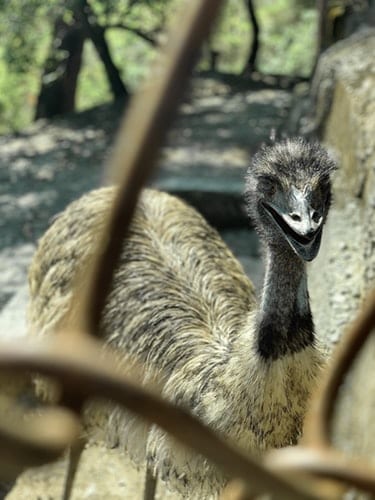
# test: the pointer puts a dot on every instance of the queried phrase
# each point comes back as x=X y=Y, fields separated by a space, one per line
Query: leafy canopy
x=287 y=36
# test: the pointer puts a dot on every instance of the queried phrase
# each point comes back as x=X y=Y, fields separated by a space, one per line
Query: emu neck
x=284 y=320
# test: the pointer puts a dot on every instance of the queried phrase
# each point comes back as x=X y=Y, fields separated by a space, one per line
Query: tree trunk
x=322 y=7
x=59 y=80
x=96 y=33
x=250 y=65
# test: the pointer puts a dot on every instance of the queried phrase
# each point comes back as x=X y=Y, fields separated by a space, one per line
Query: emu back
x=178 y=291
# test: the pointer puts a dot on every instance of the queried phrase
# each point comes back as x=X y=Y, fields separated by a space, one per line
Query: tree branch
x=251 y=60
x=147 y=37
x=95 y=32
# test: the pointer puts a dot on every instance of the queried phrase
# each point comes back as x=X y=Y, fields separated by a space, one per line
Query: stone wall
x=343 y=99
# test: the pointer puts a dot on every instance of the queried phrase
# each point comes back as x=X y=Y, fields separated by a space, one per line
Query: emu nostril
x=295 y=217
x=310 y=234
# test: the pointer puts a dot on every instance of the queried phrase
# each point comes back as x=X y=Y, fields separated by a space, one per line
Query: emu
x=182 y=305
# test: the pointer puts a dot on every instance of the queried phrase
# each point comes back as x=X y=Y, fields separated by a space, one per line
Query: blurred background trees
x=61 y=56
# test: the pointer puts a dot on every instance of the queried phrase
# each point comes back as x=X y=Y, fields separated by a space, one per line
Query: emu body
x=182 y=305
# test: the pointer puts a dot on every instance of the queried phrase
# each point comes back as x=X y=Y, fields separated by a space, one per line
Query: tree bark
x=59 y=81
x=96 y=33
x=322 y=7
x=250 y=65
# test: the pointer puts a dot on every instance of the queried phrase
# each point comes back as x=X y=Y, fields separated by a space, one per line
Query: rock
x=344 y=96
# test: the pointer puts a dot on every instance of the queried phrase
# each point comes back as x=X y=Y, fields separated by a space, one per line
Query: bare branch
x=147 y=37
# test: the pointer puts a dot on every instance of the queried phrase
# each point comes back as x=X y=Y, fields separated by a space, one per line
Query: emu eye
x=321 y=197
x=316 y=216
x=267 y=185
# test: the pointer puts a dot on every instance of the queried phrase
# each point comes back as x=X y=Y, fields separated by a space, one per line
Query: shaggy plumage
x=182 y=305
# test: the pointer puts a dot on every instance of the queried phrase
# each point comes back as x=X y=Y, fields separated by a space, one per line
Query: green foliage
x=288 y=37
x=231 y=37
x=92 y=84
x=131 y=54
x=21 y=32
x=24 y=31
x=16 y=99
x=287 y=34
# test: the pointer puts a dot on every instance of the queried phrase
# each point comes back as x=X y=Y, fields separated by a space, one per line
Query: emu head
x=288 y=192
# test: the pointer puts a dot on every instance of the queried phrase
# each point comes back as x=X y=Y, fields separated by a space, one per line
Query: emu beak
x=301 y=225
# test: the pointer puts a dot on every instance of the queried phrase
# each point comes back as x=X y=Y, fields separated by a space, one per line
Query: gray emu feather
x=182 y=305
